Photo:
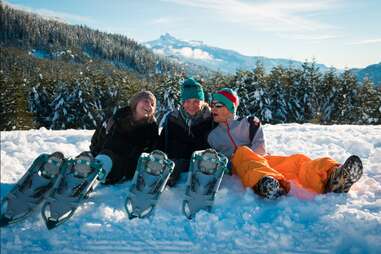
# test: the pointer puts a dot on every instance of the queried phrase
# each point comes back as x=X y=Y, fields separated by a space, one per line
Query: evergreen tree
x=7 y=105
x=23 y=119
x=327 y=96
x=168 y=95
x=295 y=107
x=348 y=110
x=370 y=100
x=277 y=92
x=60 y=117
x=80 y=106
x=38 y=103
x=309 y=78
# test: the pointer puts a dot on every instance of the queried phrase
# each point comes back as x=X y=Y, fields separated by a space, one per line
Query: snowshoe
x=206 y=170
x=343 y=177
x=32 y=188
x=79 y=178
x=149 y=181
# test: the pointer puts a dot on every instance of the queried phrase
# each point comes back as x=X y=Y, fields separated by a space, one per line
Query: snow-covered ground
x=241 y=222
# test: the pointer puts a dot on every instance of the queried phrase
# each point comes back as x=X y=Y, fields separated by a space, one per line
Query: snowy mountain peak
x=213 y=58
x=167 y=38
x=196 y=43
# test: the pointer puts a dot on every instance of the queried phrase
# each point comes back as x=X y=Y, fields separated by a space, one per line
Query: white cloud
x=158 y=51
x=193 y=53
x=162 y=20
x=310 y=37
x=369 y=41
x=50 y=14
x=271 y=15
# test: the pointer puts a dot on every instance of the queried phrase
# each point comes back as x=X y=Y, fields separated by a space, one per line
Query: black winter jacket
x=180 y=137
x=124 y=143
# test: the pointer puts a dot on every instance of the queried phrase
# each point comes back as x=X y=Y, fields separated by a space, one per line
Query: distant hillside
x=217 y=59
x=372 y=72
x=79 y=44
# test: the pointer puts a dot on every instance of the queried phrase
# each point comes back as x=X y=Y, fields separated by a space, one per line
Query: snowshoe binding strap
x=52 y=166
x=82 y=167
x=208 y=162
x=156 y=162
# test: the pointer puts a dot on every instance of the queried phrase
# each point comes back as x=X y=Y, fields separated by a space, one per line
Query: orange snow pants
x=310 y=174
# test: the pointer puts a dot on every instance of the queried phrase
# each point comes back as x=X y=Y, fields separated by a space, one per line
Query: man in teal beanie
x=185 y=129
x=191 y=89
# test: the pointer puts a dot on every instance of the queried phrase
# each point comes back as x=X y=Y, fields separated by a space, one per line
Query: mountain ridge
x=215 y=58
x=229 y=61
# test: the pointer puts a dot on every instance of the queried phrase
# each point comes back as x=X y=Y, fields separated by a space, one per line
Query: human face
x=144 y=109
x=220 y=113
x=192 y=106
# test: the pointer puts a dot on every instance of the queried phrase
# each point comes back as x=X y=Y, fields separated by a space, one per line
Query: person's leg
x=311 y=174
x=181 y=165
x=251 y=168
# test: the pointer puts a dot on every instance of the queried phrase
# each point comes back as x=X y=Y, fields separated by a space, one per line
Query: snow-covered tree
x=370 y=100
x=60 y=108
x=328 y=94
x=277 y=92
x=168 y=95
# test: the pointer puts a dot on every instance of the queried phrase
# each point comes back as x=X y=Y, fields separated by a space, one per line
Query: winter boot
x=269 y=188
x=343 y=177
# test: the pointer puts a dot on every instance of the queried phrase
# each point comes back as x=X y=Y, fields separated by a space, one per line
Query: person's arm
x=163 y=133
x=258 y=143
x=211 y=141
x=154 y=138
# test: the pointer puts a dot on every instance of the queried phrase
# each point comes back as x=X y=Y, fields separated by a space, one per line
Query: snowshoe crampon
x=79 y=178
x=206 y=170
x=32 y=188
x=149 y=181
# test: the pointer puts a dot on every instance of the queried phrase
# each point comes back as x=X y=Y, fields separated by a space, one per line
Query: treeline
x=306 y=95
x=301 y=95
x=60 y=95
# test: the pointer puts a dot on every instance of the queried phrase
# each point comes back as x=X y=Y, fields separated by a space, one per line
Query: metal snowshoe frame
x=78 y=179
x=204 y=179
x=32 y=188
x=150 y=178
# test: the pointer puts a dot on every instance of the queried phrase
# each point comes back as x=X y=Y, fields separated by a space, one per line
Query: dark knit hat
x=229 y=98
x=191 y=89
x=134 y=100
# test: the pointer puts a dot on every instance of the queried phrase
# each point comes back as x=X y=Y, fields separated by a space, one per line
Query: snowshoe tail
x=31 y=189
x=79 y=178
x=149 y=181
x=205 y=175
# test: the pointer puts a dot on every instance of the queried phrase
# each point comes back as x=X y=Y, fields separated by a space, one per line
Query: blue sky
x=339 y=33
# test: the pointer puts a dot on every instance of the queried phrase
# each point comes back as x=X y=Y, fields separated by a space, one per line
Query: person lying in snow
x=185 y=130
x=132 y=130
x=243 y=142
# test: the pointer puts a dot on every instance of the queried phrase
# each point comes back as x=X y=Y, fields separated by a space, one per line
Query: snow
x=241 y=221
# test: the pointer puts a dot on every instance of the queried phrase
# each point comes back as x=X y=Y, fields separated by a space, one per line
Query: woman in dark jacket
x=186 y=130
x=131 y=131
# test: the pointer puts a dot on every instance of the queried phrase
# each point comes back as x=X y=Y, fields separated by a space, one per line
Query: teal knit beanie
x=229 y=98
x=191 y=89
